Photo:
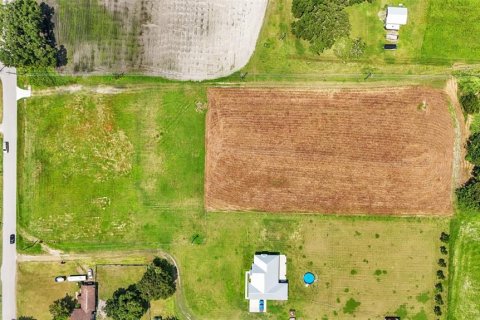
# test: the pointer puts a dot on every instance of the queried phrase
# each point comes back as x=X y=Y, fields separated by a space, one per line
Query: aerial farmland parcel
x=384 y=151
x=124 y=163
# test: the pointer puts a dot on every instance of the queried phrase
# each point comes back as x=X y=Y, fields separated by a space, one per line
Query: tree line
x=468 y=195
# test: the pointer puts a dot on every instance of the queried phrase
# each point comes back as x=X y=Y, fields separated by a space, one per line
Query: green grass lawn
x=36 y=288
x=105 y=169
x=465 y=266
x=451 y=31
x=387 y=265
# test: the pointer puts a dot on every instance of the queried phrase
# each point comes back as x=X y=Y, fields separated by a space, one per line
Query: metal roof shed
x=396 y=16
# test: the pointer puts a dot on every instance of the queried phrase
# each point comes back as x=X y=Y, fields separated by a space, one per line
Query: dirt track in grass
x=379 y=151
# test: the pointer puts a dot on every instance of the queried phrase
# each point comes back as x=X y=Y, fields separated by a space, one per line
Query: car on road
x=12 y=239
x=6 y=146
x=60 y=279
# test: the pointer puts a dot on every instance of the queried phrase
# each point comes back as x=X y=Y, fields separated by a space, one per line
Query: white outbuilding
x=396 y=17
x=266 y=280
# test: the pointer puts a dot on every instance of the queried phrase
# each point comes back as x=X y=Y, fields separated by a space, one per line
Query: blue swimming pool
x=309 y=278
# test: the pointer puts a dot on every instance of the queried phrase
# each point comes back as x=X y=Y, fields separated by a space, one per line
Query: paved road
x=9 y=128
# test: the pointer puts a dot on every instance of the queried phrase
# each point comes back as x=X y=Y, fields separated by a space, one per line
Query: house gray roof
x=266 y=279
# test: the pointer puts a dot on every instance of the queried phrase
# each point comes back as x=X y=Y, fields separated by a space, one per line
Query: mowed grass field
x=465 y=278
x=366 y=267
x=107 y=169
x=450 y=31
x=37 y=289
x=386 y=265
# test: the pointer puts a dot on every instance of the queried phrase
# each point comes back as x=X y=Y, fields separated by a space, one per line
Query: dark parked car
x=390 y=46
x=12 y=239
x=6 y=147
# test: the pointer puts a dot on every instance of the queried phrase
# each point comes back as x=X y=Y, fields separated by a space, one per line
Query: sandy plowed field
x=382 y=151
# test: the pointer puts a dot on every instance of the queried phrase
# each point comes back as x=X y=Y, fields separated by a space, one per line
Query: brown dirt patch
x=383 y=151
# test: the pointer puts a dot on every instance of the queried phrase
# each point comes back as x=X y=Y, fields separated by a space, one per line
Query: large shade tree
x=158 y=282
x=320 y=22
x=126 y=304
x=27 y=36
x=62 y=308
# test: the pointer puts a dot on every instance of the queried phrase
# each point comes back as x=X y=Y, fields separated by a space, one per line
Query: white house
x=266 y=280
x=396 y=17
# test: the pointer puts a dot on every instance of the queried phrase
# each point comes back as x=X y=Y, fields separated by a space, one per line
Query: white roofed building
x=396 y=17
x=266 y=280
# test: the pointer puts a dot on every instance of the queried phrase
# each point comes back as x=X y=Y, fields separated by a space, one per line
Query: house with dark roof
x=87 y=298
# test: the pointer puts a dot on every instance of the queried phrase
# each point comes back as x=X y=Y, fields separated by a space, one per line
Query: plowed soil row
x=381 y=151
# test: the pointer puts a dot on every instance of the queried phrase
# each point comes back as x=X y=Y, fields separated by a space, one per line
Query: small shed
x=396 y=17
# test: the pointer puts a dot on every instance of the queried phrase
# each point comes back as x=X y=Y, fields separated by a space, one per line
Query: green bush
x=346 y=48
x=470 y=102
x=473 y=149
x=469 y=194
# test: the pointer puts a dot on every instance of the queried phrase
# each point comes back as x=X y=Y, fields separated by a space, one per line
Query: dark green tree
x=126 y=304
x=437 y=310
x=443 y=250
x=320 y=22
x=439 y=287
x=470 y=102
x=469 y=194
x=28 y=38
x=473 y=149
x=158 y=282
x=438 y=299
x=442 y=263
x=440 y=275
x=61 y=309
x=444 y=237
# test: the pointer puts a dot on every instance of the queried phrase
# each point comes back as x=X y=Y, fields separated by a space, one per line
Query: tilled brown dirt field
x=381 y=151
